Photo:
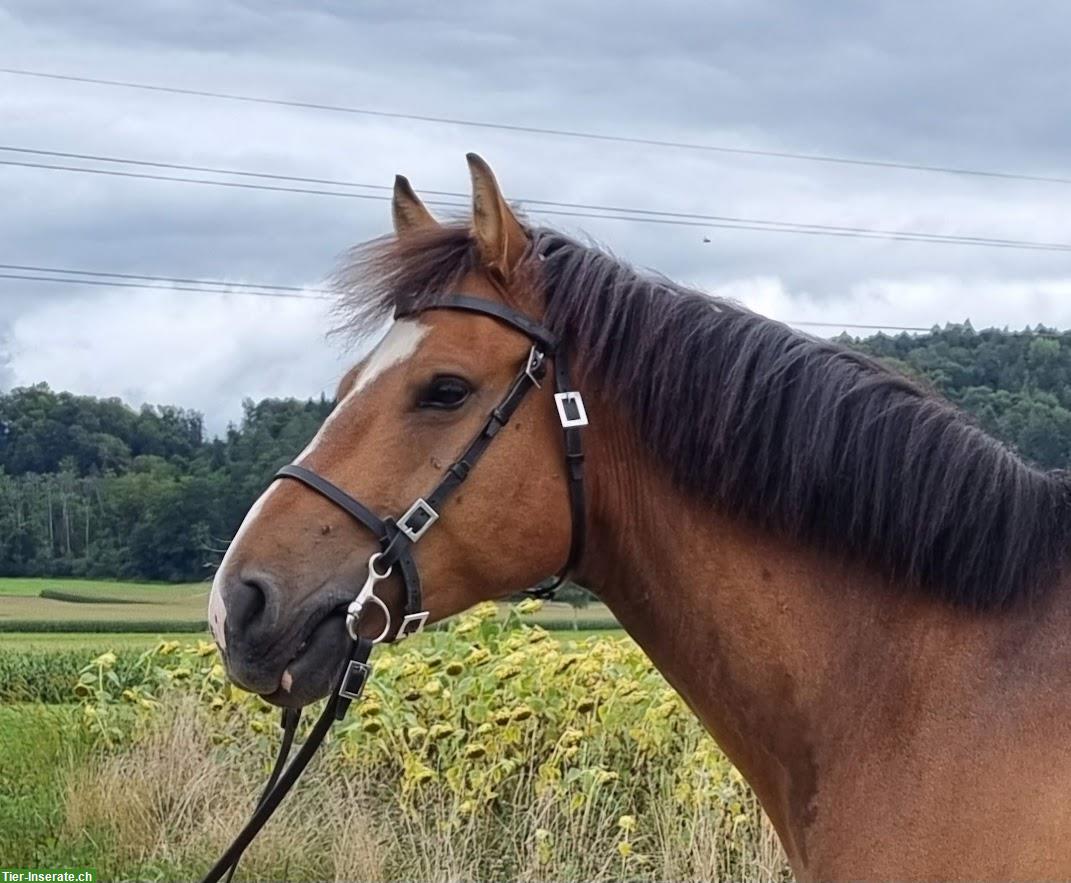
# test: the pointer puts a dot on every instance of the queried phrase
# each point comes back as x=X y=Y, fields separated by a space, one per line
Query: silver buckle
x=413 y=624
x=534 y=363
x=571 y=410
x=419 y=506
x=357 y=675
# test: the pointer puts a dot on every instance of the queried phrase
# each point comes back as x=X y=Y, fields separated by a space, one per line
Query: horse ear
x=408 y=211
x=500 y=237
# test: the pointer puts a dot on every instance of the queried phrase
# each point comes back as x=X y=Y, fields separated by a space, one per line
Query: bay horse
x=861 y=595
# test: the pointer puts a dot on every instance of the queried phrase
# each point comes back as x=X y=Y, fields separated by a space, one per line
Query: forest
x=92 y=487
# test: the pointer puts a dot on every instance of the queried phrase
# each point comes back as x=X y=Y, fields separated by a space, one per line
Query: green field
x=151 y=607
x=33 y=586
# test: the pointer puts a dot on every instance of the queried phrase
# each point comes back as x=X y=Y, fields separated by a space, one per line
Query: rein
x=398 y=536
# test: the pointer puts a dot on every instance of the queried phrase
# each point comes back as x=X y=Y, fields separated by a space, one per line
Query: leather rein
x=398 y=536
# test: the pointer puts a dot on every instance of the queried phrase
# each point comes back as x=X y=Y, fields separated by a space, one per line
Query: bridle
x=398 y=536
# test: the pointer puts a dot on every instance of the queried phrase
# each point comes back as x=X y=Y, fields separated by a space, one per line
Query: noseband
x=397 y=537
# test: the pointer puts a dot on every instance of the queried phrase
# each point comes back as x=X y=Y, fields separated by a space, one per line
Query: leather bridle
x=398 y=536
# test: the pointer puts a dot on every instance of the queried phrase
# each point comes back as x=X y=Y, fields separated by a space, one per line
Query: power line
x=658 y=213
x=149 y=287
x=681 y=219
x=250 y=289
x=176 y=279
x=846 y=325
x=538 y=130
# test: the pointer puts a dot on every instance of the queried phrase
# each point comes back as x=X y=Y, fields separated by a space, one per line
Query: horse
x=861 y=595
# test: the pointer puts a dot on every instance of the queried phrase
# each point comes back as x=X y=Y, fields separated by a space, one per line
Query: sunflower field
x=490 y=751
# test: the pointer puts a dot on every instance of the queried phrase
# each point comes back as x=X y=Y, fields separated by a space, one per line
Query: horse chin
x=313 y=671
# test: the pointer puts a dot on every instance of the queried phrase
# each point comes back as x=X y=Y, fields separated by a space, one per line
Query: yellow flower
x=585 y=705
x=467 y=807
x=474 y=751
x=440 y=731
x=505 y=672
x=480 y=654
x=624 y=848
x=529 y=605
x=521 y=713
x=205 y=648
x=415 y=734
x=466 y=625
x=544 y=845
x=627 y=823
x=105 y=660
x=372 y=725
x=420 y=774
x=502 y=717
x=485 y=610
x=433 y=687
x=455 y=668
x=566 y=663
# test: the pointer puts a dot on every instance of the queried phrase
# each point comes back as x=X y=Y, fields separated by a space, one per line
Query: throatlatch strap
x=574 y=461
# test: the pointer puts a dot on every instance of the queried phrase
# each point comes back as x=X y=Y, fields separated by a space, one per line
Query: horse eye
x=445 y=392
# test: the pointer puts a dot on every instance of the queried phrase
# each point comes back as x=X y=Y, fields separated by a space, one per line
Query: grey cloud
x=954 y=84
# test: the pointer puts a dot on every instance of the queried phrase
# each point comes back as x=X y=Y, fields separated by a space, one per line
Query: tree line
x=91 y=487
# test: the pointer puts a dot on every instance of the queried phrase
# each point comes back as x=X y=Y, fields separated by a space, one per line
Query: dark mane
x=799 y=435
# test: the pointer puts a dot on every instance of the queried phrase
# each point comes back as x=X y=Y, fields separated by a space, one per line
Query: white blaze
x=398 y=345
x=217 y=610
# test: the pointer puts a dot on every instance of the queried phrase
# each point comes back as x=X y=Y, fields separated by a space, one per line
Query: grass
x=42 y=746
x=32 y=586
x=183 y=797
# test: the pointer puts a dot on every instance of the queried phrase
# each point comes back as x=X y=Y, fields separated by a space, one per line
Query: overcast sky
x=942 y=84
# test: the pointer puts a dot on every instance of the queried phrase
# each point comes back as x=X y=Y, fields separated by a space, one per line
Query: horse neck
x=788 y=657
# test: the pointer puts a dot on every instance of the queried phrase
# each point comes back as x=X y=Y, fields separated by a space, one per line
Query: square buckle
x=422 y=516
x=571 y=410
x=357 y=675
x=413 y=624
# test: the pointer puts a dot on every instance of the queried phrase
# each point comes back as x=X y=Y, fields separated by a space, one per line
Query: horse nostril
x=248 y=601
